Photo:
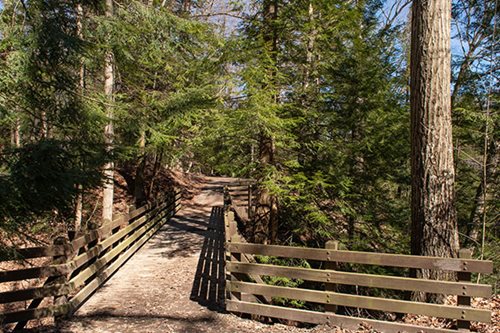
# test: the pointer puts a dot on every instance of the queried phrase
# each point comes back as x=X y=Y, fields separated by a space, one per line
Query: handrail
x=115 y=242
x=248 y=293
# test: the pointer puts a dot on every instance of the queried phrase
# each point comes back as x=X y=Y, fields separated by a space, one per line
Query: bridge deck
x=174 y=283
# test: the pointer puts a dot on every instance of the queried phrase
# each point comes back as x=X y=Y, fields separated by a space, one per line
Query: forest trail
x=174 y=283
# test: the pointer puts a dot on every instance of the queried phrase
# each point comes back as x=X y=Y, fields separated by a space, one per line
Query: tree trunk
x=434 y=219
x=266 y=222
x=139 y=190
x=490 y=173
x=79 y=197
x=109 y=81
x=265 y=218
x=16 y=133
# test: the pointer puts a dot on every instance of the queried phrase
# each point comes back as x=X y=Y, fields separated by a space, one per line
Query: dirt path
x=174 y=283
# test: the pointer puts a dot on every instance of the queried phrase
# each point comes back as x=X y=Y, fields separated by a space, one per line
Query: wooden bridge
x=161 y=268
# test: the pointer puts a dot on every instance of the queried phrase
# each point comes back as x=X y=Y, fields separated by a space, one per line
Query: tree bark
x=434 y=219
x=109 y=81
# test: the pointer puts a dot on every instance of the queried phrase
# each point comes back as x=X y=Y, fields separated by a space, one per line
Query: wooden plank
x=313 y=317
x=38 y=252
x=33 y=273
x=366 y=302
x=29 y=314
x=365 y=280
x=369 y=258
x=85 y=274
x=31 y=293
x=95 y=234
x=78 y=261
x=101 y=278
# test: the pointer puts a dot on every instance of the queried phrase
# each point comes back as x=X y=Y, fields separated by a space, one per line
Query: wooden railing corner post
x=61 y=299
x=464 y=300
x=330 y=265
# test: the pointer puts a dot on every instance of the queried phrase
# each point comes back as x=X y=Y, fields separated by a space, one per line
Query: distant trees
x=69 y=70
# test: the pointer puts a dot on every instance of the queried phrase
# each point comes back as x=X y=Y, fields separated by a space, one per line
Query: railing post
x=177 y=208
x=62 y=299
x=250 y=199
x=230 y=229
x=334 y=246
x=464 y=300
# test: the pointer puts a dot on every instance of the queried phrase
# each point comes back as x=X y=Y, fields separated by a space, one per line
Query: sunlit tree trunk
x=434 y=219
x=79 y=197
x=139 y=190
x=109 y=81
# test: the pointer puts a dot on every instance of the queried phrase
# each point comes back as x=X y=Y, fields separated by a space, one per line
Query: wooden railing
x=246 y=291
x=241 y=196
x=75 y=268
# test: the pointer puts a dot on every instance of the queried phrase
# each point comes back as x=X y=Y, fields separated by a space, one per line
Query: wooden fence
x=75 y=268
x=247 y=293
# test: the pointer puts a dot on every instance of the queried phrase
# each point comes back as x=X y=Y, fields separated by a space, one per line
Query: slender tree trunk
x=109 y=81
x=266 y=219
x=139 y=193
x=16 y=133
x=79 y=197
x=434 y=219
x=311 y=40
x=490 y=171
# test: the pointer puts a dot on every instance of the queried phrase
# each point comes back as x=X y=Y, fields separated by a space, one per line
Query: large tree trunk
x=434 y=219
x=265 y=218
x=109 y=81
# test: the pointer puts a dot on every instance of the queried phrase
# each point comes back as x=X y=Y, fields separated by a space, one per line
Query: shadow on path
x=209 y=281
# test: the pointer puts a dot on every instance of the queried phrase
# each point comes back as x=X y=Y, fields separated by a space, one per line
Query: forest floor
x=174 y=283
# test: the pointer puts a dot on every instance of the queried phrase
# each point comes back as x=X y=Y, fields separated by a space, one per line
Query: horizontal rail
x=330 y=319
x=146 y=221
x=38 y=252
x=33 y=273
x=95 y=234
x=36 y=313
x=106 y=243
x=370 y=258
x=101 y=277
x=365 y=280
x=51 y=270
x=366 y=302
x=31 y=293
x=108 y=257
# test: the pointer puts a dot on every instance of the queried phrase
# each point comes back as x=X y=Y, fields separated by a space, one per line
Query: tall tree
x=266 y=218
x=434 y=220
x=109 y=82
